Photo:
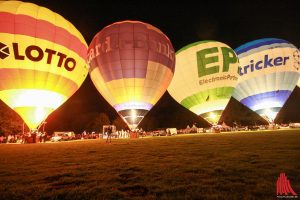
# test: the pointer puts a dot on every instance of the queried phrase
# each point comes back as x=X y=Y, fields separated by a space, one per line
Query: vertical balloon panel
x=205 y=77
x=268 y=75
x=132 y=64
x=297 y=64
x=43 y=60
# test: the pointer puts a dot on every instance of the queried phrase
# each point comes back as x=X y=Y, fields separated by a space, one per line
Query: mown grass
x=205 y=166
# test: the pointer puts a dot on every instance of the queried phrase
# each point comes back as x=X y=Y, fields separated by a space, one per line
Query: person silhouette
x=109 y=132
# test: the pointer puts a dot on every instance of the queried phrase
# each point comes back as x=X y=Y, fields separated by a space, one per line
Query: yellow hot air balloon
x=42 y=60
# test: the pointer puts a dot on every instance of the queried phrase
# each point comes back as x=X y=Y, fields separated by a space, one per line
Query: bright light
x=133 y=105
x=133 y=115
x=267 y=104
x=32 y=105
x=32 y=97
x=212 y=116
x=209 y=106
x=40 y=114
x=33 y=116
x=270 y=114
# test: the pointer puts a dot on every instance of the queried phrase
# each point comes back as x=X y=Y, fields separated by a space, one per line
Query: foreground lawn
x=206 y=166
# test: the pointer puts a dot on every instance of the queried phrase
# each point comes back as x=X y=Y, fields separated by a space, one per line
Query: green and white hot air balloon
x=206 y=74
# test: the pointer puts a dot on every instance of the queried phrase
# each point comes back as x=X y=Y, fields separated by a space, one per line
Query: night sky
x=230 y=22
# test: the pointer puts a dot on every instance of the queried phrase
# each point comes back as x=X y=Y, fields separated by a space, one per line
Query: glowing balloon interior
x=297 y=61
x=43 y=60
x=205 y=77
x=268 y=75
x=131 y=65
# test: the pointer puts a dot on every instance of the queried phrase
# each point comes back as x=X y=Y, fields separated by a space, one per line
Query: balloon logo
x=131 y=65
x=42 y=60
x=205 y=78
x=268 y=75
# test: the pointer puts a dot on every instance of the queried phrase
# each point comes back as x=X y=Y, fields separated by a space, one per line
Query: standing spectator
x=44 y=136
x=34 y=133
x=122 y=133
x=8 y=139
x=109 y=132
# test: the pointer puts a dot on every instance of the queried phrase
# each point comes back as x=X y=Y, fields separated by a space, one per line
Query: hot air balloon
x=42 y=60
x=268 y=75
x=205 y=78
x=131 y=65
x=296 y=55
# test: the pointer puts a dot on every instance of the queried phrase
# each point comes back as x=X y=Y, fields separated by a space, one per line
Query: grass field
x=202 y=166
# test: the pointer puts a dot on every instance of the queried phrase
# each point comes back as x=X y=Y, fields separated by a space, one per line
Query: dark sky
x=184 y=22
x=231 y=22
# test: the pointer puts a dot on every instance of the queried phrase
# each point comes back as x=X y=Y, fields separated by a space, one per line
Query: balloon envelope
x=268 y=75
x=297 y=59
x=131 y=65
x=43 y=60
x=205 y=77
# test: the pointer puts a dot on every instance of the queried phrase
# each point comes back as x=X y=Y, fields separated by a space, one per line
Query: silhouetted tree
x=119 y=123
x=96 y=124
x=149 y=123
x=10 y=121
x=82 y=122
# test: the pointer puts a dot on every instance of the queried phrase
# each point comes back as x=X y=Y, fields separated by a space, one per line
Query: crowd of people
x=117 y=133
x=110 y=131
x=23 y=138
x=41 y=137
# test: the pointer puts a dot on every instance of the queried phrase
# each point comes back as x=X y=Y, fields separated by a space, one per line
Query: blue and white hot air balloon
x=268 y=75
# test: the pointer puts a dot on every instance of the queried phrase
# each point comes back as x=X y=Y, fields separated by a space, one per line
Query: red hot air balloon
x=131 y=65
